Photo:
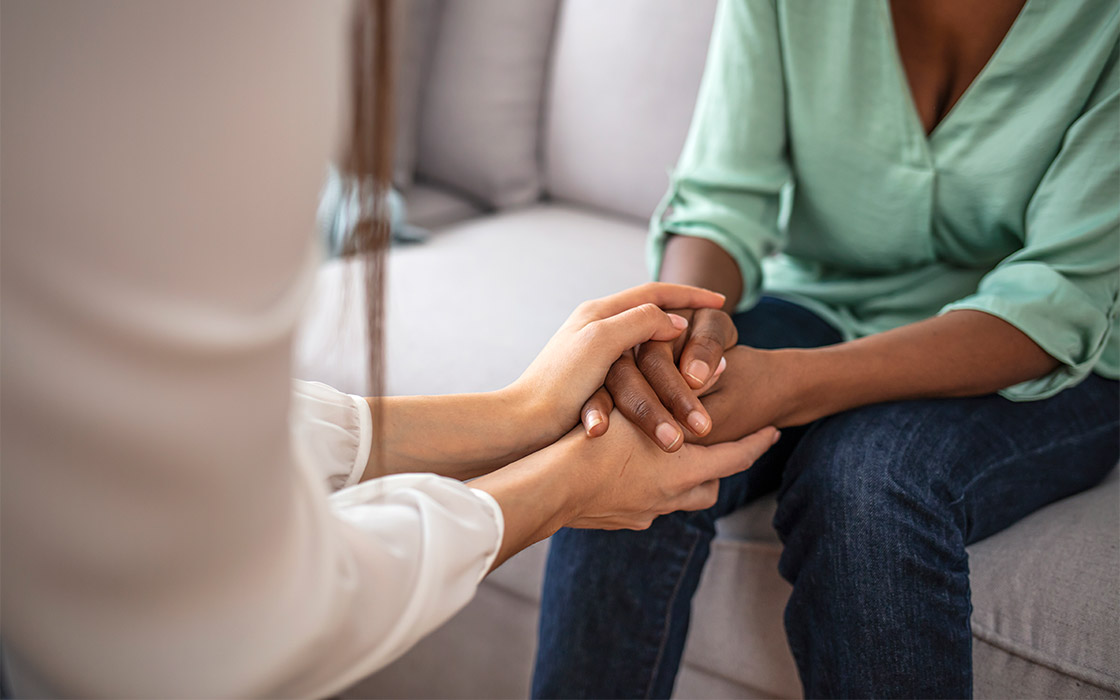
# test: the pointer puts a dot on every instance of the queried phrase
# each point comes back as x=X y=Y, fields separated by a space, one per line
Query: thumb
x=616 y=334
x=727 y=458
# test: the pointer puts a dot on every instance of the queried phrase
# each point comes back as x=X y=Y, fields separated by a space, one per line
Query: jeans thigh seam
x=656 y=670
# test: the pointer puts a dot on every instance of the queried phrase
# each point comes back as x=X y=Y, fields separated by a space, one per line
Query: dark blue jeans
x=875 y=508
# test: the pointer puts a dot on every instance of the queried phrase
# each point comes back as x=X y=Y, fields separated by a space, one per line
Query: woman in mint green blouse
x=913 y=208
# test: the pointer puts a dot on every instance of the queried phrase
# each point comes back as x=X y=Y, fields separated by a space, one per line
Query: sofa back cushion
x=414 y=31
x=480 y=109
x=625 y=74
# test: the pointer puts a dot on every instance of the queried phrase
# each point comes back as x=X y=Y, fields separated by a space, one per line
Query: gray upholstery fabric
x=486 y=651
x=479 y=125
x=330 y=345
x=414 y=31
x=624 y=80
x=1047 y=591
x=469 y=309
x=435 y=207
x=700 y=684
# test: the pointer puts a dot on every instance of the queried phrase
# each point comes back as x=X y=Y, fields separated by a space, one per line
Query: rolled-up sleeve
x=1061 y=288
x=728 y=182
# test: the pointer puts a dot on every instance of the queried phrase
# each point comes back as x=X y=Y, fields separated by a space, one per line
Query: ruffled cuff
x=333 y=430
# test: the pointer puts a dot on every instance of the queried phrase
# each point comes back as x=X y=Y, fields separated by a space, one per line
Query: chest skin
x=944 y=44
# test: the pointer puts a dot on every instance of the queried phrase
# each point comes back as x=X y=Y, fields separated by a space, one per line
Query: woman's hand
x=617 y=481
x=576 y=360
x=626 y=482
x=758 y=388
x=657 y=385
x=466 y=435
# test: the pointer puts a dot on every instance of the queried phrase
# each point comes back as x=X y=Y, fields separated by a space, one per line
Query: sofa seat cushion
x=469 y=309
x=1047 y=591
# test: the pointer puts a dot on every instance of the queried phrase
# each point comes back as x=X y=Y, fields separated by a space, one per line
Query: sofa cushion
x=1047 y=591
x=624 y=80
x=414 y=29
x=470 y=309
x=481 y=109
x=434 y=207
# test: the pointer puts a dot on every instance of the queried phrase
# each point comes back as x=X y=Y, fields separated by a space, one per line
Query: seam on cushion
x=1032 y=655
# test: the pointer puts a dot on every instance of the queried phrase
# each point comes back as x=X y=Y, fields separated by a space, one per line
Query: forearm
x=701 y=263
x=961 y=353
x=460 y=436
x=536 y=494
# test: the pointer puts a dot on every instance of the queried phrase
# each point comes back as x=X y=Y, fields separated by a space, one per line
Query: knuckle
x=706 y=347
x=586 y=309
x=619 y=376
x=641 y=407
x=651 y=358
x=650 y=312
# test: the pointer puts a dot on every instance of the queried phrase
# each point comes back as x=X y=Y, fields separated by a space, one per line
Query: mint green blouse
x=807 y=162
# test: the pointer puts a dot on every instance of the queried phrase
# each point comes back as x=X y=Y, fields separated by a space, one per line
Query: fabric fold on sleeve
x=1061 y=288
x=333 y=429
x=1053 y=312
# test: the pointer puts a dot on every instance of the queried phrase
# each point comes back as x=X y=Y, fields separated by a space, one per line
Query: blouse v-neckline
x=907 y=93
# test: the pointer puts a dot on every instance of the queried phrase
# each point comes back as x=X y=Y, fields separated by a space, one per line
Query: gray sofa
x=534 y=141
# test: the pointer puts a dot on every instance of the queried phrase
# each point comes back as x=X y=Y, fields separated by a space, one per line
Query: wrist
x=802 y=383
x=532 y=421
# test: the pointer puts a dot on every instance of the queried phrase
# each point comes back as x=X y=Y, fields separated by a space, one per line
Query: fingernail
x=777 y=436
x=667 y=435
x=679 y=322
x=721 y=366
x=594 y=418
x=698 y=422
x=698 y=370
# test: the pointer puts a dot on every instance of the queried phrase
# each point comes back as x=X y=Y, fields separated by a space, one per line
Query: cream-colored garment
x=166 y=527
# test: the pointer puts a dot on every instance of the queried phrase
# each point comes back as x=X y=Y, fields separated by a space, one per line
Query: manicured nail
x=594 y=418
x=721 y=366
x=679 y=322
x=698 y=370
x=667 y=435
x=698 y=422
x=777 y=436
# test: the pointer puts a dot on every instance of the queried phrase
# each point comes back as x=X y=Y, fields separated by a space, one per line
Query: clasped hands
x=699 y=387
x=626 y=353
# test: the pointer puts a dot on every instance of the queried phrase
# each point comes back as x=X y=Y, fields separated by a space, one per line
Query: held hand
x=618 y=481
x=576 y=360
x=626 y=481
x=649 y=389
x=758 y=388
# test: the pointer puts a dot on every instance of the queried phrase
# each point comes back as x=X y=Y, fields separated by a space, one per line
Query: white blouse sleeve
x=167 y=528
x=332 y=430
